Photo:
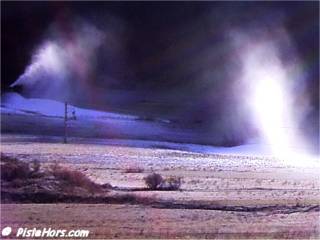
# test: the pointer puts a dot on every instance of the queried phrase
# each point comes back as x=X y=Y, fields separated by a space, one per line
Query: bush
x=12 y=169
x=31 y=179
x=156 y=181
x=74 y=178
x=172 y=183
x=153 y=180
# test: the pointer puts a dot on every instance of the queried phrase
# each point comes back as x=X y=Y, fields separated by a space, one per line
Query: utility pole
x=65 y=121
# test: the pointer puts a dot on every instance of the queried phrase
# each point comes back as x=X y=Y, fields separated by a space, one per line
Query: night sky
x=172 y=59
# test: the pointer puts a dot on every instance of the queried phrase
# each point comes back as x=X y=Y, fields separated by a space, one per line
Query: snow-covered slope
x=128 y=125
x=15 y=103
x=88 y=123
x=109 y=128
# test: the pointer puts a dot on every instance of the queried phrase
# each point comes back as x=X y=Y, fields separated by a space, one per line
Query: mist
x=272 y=81
x=66 y=66
x=202 y=72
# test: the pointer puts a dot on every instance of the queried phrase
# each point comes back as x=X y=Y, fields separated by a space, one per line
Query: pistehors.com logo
x=44 y=233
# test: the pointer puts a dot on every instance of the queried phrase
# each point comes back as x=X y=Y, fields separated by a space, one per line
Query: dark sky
x=151 y=27
x=160 y=35
x=165 y=58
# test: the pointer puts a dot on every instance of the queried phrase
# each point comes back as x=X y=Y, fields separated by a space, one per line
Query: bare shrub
x=35 y=183
x=12 y=168
x=5 y=158
x=153 y=181
x=134 y=170
x=172 y=183
x=74 y=178
x=156 y=181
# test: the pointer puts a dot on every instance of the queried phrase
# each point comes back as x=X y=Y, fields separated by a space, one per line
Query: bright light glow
x=270 y=101
x=269 y=106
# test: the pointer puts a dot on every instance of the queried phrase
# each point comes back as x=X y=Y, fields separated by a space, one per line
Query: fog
x=64 y=65
x=271 y=82
x=207 y=72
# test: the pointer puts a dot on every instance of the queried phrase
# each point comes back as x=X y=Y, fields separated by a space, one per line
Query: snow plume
x=63 y=63
x=272 y=81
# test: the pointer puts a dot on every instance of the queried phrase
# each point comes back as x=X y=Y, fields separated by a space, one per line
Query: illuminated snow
x=269 y=98
x=46 y=62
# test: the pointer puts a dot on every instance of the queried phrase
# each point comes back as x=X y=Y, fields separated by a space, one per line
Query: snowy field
x=284 y=201
x=282 y=197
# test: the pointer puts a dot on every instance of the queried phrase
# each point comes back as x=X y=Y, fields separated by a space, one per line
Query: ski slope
x=98 y=127
x=15 y=103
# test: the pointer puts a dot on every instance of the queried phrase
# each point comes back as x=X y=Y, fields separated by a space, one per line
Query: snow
x=126 y=130
x=252 y=151
x=15 y=103
x=89 y=123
